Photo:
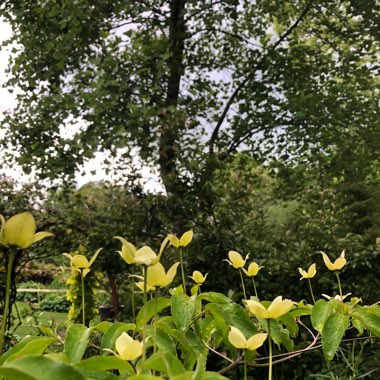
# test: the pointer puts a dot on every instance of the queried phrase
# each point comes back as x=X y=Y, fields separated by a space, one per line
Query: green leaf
x=29 y=347
x=76 y=342
x=200 y=369
x=290 y=322
x=182 y=309
x=208 y=375
x=165 y=342
x=321 y=311
x=39 y=368
x=145 y=377
x=279 y=335
x=103 y=326
x=36 y=347
x=105 y=363
x=234 y=315
x=191 y=347
x=166 y=363
x=358 y=324
x=214 y=297
x=15 y=374
x=113 y=332
x=148 y=311
x=333 y=332
x=370 y=320
x=97 y=375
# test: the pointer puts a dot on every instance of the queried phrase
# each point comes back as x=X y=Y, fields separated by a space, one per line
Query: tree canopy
x=186 y=83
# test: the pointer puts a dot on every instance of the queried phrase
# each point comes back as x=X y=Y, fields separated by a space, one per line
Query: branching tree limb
x=251 y=74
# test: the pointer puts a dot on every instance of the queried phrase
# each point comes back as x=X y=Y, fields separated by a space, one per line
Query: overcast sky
x=7 y=102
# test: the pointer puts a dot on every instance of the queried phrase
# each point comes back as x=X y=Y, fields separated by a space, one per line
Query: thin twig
x=251 y=74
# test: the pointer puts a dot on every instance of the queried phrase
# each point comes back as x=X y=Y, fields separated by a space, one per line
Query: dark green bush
x=30 y=296
x=55 y=302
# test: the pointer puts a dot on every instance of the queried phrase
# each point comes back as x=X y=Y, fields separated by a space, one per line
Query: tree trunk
x=115 y=296
x=171 y=120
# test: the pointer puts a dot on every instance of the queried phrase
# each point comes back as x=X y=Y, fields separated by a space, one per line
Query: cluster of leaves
x=74 y=296
x=185 y=331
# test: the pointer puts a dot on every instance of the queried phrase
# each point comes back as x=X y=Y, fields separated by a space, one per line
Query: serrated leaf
x=370 y=320
x=359 y=325
x=165 y=342
x=105 y=363
x=39 y=368
x=321 y=311
x=234 y=315
x=113 y=332
x=290 y=322
x=214 y=297
x=148 y=311
x=36 y=347
x=182 y=309
x=166 y=363
x=145 y=377
x=334 y=329
x=13 y=351
x=76 y=342
x=103 y=326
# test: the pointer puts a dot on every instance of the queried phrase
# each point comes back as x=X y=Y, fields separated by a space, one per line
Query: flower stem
x=12 y=255
x=245 y=365
x=242 y=283
x=339 y=285
x=145 y=300
x=182 y=270
x=83 y=298
x=270 y=352
x=311 y=291
x=254 y=287
x=133 y=299
x=155 y=321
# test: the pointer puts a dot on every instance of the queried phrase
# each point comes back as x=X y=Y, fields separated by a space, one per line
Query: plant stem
x=145 y=300
x=155 y=321
x=311 y=291
x=339 y=285
x=245 y=365
x=83 y=298
x=133 y=299
x=182 y=270
x=12 y=255
x=242 y=283
x=270 y=352
x=254 y=287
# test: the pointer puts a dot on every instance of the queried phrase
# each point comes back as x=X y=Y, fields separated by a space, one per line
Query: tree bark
x=171 y=120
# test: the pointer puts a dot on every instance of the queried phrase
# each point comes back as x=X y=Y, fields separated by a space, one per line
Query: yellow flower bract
x=253 y=269
x=20 y=231
x=238 y=340
x=276 y=309
x=338 y=264
x=183 y=241
x=128 y=348
x=80 y=262
x=310 y=272
x=236 y=260
x=157 y=277
x=198 y=277
x=143 y=256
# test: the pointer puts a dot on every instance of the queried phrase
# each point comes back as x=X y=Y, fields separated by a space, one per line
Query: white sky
x=92 y=170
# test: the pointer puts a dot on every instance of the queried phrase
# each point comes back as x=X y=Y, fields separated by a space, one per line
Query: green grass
x=31 y=316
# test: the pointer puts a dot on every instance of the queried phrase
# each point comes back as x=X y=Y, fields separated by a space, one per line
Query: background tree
x=183 y=83
x=188 y=86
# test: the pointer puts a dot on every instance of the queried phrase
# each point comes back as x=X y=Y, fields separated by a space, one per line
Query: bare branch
x=259 y=64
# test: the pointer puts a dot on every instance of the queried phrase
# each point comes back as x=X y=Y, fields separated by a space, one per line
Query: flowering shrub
x=179 y=327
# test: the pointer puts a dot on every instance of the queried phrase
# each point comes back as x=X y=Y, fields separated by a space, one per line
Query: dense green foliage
x=261 y=117
x=185 y=83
